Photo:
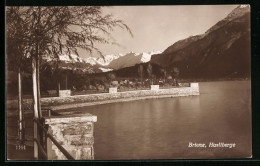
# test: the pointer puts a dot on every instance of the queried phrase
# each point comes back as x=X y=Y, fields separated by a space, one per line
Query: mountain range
x=112 y=61
x=224 y=50
x=131 y=59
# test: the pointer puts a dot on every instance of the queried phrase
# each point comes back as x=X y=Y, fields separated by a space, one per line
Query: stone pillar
x=74 y=133
x=112 y=90
x=64 y=93
x=154 y=87
x=195 y=88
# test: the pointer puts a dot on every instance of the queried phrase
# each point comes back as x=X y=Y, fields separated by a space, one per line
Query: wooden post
x=59 y=85
x=49 y=113
x=35 y=105
x=38 y=85
x=40 y=132
x=58 y=91
x=48 y=143
x=142 y=69
x=66 y=81
x=20 y=108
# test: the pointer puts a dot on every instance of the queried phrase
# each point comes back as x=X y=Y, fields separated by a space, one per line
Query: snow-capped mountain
x=127 y=60
x=105 y=69
x=107 y=59
x=111 y=61
x=117 y=61
x=101 y=61
x=146 y=57
x=70 y=58
x=91 y=60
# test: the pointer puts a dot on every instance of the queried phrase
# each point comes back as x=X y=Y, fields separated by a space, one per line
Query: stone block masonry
x=112 y=90
x=193 y=89
x=154 y=87
x=64 y=93
x=74 y=133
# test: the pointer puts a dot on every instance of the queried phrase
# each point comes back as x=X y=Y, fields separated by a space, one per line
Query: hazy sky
x=157 y=27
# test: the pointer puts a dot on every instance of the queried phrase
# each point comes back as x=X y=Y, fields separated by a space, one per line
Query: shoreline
x=12 y=98
x=91 y=99
x=89 y=104
x=67 y=107
x=69 y=102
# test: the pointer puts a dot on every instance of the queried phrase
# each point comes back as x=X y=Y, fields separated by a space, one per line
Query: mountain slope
x=223 y=50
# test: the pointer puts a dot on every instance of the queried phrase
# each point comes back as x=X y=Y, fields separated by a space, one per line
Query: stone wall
x=74 y=133
x=54 y=101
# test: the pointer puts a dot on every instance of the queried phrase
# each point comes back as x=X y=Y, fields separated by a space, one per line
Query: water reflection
x=162 y=128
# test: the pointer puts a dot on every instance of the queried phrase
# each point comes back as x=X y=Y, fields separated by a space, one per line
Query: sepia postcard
x=128 y=82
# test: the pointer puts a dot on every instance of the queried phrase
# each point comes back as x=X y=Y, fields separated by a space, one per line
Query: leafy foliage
x=111 y=76
x=54 y=30
x=163 y=73
x=175 y=72
x=140 y=72
x=149 y=70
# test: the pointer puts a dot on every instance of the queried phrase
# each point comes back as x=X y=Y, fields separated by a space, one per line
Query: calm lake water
x=163 y=128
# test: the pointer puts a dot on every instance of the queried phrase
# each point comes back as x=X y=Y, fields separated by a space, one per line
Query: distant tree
x=175 y=72
x=110 y=77
x=154 y=79
x=140 y=72
x=164 y=74
x=150 y=72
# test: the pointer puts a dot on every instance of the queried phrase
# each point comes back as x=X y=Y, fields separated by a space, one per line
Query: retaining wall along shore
x=55 y=101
